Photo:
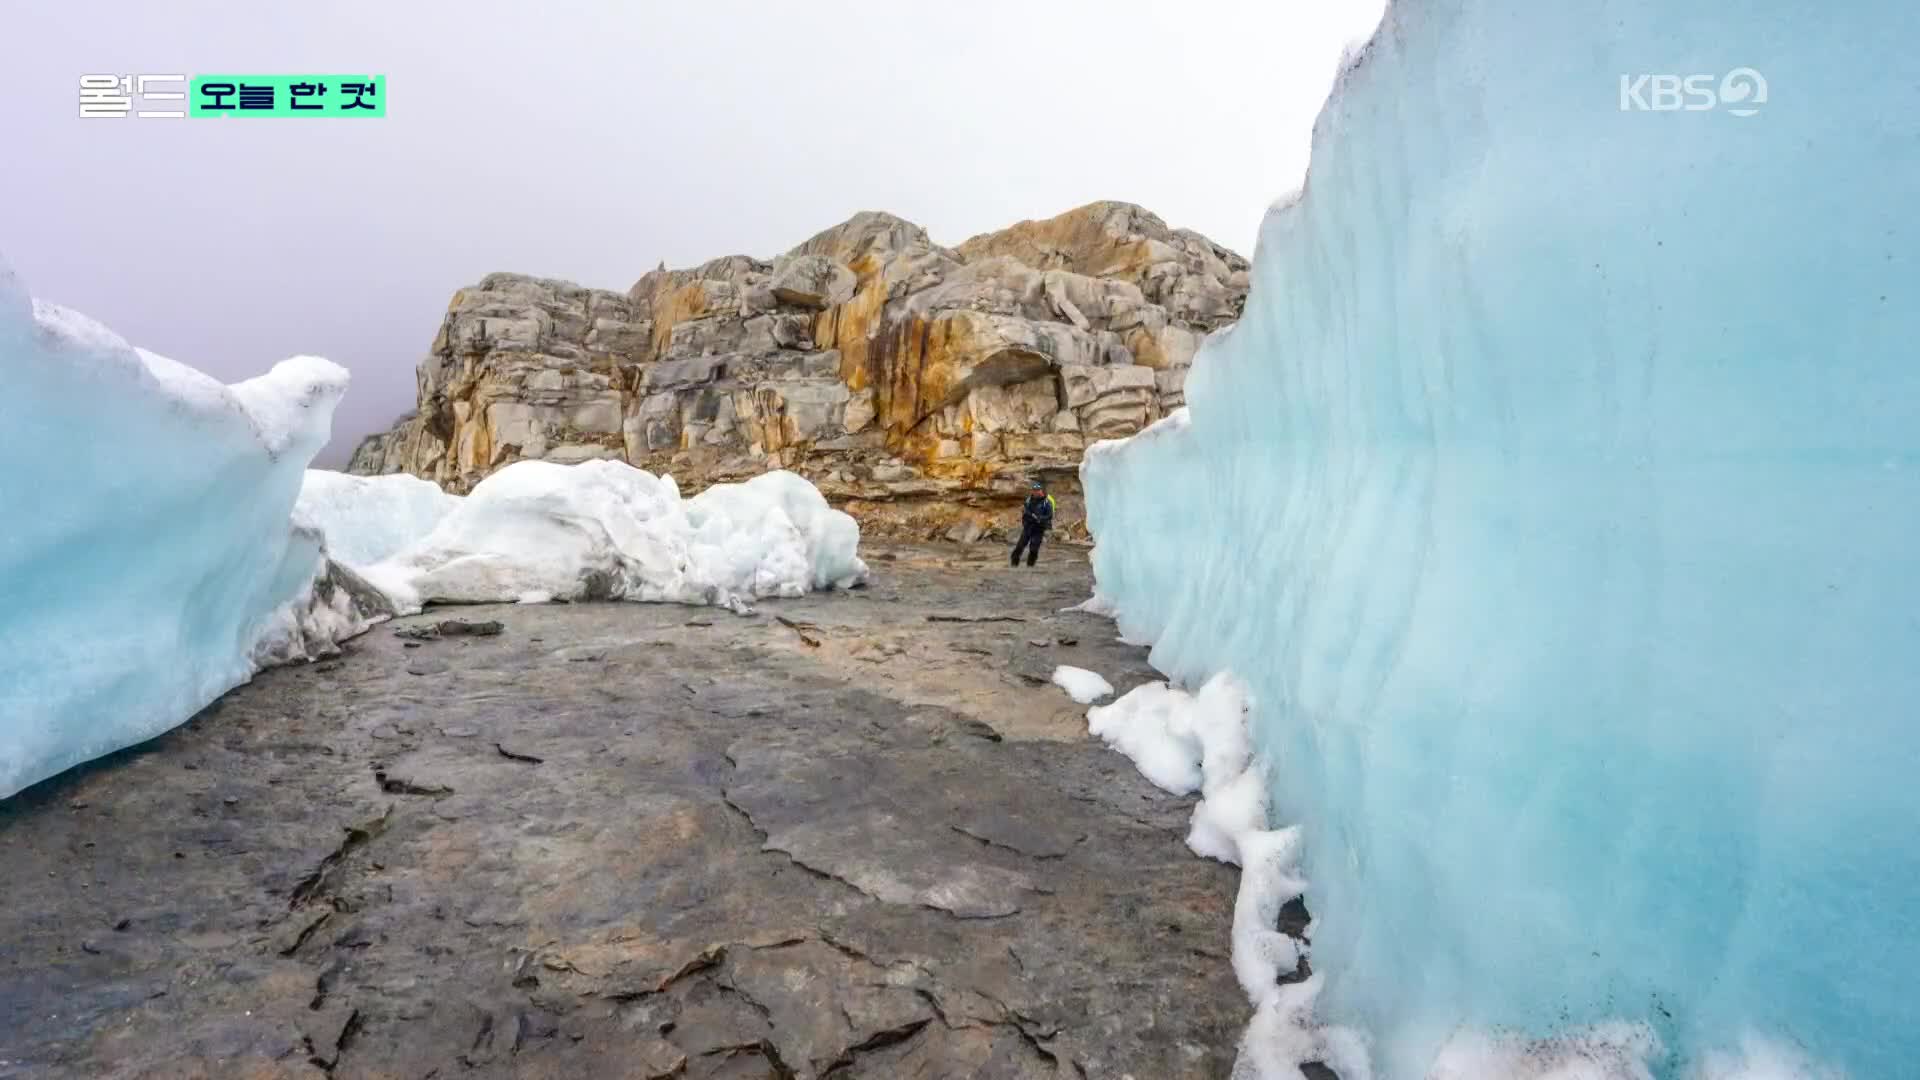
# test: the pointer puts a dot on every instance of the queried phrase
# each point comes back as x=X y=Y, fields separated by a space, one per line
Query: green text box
x=288 y=95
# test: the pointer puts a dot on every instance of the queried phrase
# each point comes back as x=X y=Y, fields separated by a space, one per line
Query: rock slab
x=610 y=841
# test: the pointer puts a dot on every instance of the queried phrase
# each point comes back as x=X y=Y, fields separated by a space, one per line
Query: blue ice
x=147 y=560
x=1559 y=499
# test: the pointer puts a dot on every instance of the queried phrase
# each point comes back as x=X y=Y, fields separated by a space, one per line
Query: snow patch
x=1081 y=685
x=1150 y=726
x=1170 y=734
x=1092 y=605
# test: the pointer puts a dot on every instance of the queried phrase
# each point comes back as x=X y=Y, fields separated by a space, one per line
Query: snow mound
x=149 y=562
x=1150 y=725
x=604 y=530
x=1169 y=734
x=1083 y=686
x=369 y=518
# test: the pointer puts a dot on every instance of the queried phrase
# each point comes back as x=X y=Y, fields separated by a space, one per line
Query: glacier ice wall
x=1559 y=498
x=147 y=560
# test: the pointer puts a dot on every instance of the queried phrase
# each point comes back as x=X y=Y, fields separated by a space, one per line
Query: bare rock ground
x=856 y=835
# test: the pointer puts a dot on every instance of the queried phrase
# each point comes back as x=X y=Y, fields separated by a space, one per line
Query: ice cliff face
x=919 y=386
x=1557 y=496
x=148 y=562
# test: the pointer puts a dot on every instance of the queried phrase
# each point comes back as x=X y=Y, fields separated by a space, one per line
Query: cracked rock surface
x=639 y=841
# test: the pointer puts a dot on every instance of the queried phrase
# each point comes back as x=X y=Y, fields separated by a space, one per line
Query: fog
x=592 y=141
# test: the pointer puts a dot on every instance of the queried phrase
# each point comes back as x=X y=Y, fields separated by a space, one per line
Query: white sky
x=590 y=141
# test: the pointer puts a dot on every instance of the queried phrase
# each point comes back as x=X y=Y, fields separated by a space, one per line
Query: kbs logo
x=1741 y=92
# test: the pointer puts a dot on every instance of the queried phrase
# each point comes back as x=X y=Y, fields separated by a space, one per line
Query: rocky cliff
x=918 y=386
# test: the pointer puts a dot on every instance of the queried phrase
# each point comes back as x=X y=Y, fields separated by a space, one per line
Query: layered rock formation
x=918 y=386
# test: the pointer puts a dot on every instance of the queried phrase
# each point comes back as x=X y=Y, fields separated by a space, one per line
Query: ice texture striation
x=148 y=562
x=604 y=530
x=1557 y=498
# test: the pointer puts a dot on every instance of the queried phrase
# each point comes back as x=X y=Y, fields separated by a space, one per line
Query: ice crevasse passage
x=1557 y=499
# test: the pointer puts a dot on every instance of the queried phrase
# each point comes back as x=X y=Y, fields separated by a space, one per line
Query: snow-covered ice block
x=1557 y=496
x=369 y=518
x=773 y=535
x=1083 y=686
x=148 y=562
x=536 y=530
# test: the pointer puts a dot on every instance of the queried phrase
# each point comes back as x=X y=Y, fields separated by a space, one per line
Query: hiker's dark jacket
x=1037 y=514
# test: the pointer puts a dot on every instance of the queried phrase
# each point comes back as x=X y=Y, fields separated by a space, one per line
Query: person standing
x=1036 y=517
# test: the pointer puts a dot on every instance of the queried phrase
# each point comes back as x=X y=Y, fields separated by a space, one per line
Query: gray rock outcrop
x=918 y=386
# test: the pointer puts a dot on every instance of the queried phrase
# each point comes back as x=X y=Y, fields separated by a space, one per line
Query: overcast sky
x=591 y=141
